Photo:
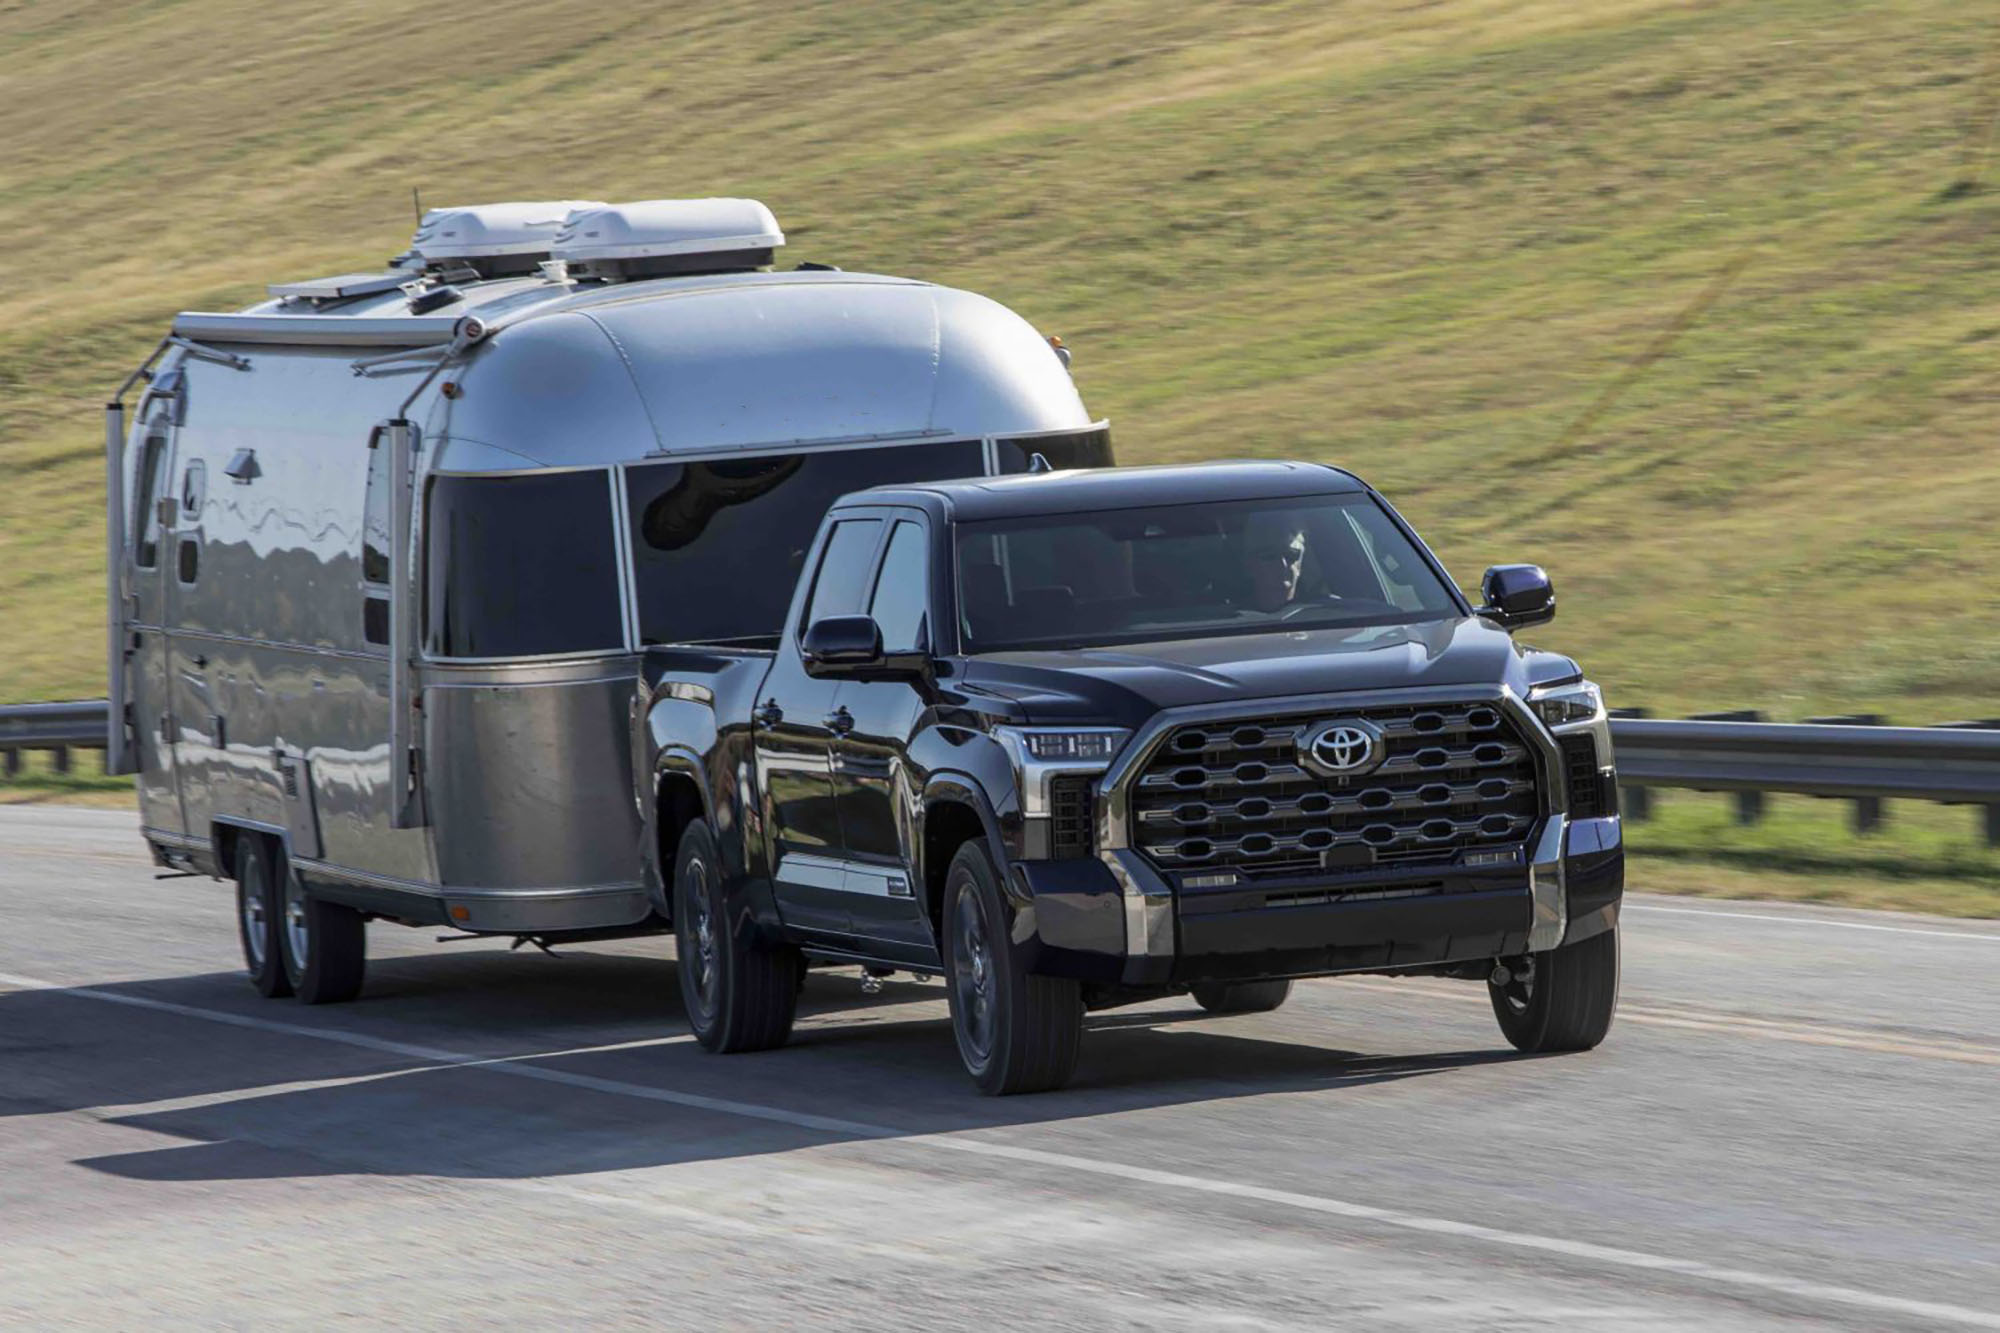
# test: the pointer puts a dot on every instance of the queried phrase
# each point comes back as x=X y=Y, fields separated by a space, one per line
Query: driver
x=1274 y=555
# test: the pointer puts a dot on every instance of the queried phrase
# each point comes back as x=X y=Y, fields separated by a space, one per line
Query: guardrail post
x=13 y=763
x=1989 y=814
x=1869 y=814
x=1634 y=803
x=1749 y=804
x=59 y=759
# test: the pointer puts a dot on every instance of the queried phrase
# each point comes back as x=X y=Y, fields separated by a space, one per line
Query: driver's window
x=902 y=590
x=843 y=572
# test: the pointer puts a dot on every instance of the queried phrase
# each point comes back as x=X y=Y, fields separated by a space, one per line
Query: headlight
x=1061 y=745
x=1038 y=753
x=1568 y=705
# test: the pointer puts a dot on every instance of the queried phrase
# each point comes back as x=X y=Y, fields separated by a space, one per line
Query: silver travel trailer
x=384 y=549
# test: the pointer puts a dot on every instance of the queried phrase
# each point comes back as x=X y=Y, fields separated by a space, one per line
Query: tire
x=740 y=995
x=1567 y=1000
x=258 y=914
x=1016 y=1032
x=324 y=945
x=1242 y=997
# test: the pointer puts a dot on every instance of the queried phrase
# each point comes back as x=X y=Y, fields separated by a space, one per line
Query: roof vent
x=496 y=240
x=661 y=237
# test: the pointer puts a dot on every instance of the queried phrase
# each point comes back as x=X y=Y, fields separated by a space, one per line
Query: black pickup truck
x=1078 y=739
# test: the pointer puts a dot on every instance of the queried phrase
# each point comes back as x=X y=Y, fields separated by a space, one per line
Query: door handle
x=200 y=661
x=840 y=721
x=770 y=715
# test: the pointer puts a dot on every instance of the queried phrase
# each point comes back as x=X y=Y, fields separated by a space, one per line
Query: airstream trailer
x=384 y=548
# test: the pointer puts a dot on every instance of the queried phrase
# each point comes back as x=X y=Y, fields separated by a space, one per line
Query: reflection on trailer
x=384 y=548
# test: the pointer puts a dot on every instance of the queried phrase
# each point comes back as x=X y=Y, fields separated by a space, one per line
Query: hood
x=1126 y=684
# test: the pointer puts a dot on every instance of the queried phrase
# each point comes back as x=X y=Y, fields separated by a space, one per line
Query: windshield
x=1190 y=571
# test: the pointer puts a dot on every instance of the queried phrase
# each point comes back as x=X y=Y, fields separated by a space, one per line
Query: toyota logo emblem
x=1342 y=748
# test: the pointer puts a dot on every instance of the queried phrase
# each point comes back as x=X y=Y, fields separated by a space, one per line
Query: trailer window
x=717 y=547
x=145 y=507
x=521 y=566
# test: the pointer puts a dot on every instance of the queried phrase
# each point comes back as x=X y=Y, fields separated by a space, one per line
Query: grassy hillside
x=1693 y=302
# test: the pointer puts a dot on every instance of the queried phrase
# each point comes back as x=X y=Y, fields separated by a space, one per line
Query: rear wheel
x=1562 y=1000
x=1017 y=1032
x=258 y=910
x=325 y=945
x=1242 y=997
x=740 y=994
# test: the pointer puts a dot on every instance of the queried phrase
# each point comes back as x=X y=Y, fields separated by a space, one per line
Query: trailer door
x=148 y=557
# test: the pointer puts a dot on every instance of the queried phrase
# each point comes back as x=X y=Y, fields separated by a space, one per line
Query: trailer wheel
x=1561 y=1000
x=1242 y=997
x=258 y=913
x=1017 y=1032
x=740 y=994
x=325 y=945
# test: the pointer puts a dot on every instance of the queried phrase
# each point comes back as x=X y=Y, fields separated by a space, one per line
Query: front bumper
x=1116 y=919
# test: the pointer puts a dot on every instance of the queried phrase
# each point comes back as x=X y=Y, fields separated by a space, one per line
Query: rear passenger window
x=842 y=581
x=902 y=590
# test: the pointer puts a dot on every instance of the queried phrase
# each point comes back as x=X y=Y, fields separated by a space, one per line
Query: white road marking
x=1606 y=1255
x=1979 y=936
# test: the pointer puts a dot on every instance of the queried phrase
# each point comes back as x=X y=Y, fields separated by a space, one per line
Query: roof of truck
x=1089 y=489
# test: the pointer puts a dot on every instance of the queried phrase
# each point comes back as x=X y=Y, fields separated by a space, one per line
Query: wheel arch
x=955 y=811
x=680 y=796
x=225 y=833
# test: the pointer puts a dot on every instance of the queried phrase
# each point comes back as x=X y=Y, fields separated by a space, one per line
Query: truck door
x=795 y=728
x=148 y=556
x=872 y=784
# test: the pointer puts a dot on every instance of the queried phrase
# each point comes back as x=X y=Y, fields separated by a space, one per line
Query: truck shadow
x=604 y=1075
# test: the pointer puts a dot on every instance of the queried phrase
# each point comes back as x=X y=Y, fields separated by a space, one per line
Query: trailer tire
x=1242 y=997
x=740 y=993
x=259 y=914
x=1016 y=1031
x=1567 y=1000
x=325 y=945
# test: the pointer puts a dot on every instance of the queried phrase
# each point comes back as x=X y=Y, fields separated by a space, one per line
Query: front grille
x=1070 y=815
x=1234 y=795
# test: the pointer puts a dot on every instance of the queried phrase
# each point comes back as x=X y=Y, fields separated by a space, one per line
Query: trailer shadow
x=483 y=1066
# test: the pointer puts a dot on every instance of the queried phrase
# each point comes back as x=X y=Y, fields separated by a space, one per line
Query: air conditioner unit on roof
x=660 y=236
x=493 y=238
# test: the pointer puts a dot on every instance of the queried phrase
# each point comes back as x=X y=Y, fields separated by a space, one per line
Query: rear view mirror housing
x=1517 y=595
x=851 y=646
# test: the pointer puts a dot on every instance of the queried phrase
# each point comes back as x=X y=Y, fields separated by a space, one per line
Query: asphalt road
x=1793 y=1124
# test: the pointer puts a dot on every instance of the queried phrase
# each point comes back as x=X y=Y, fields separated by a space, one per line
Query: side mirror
x=1518 y=595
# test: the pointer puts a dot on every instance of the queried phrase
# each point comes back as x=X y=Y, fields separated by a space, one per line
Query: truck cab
x=1078 y=739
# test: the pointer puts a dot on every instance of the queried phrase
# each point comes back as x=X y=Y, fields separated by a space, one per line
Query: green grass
x=1927 y=858
x=1689 y=300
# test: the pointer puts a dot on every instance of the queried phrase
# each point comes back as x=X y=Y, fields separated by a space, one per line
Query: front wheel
x=1017 y=1032
x=740 y=995
x=1562 y=1000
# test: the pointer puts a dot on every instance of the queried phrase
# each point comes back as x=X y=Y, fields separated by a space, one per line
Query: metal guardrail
x=1846 y=758
x=57 y=728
